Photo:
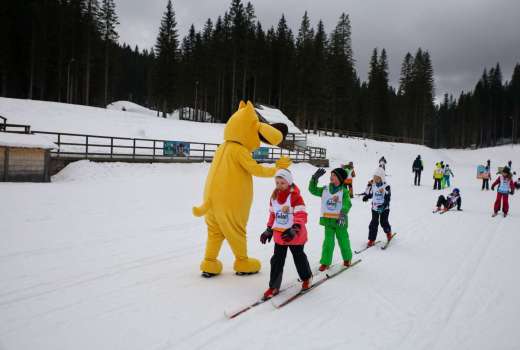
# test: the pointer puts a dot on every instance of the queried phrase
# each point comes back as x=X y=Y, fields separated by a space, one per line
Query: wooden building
x=24 y=157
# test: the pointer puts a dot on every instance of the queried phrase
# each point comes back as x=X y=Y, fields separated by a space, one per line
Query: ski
x=331 y=273
x=241 y=310
x=388 y=242
x=366 y=247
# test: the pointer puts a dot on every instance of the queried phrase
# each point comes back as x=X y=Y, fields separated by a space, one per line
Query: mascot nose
x=272 y=134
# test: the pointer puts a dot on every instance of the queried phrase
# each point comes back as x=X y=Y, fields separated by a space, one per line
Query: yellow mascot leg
x=236 y=237
x=215 y=237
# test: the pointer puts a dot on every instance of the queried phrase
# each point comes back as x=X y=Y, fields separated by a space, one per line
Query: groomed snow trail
x=107 y=256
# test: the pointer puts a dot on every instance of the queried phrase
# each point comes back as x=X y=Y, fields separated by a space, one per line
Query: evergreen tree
x=166 y=61
x=109 y=35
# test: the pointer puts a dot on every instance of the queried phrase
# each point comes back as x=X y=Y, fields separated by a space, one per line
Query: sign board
x=261 y=153
x=176 y=148
x=482 y=173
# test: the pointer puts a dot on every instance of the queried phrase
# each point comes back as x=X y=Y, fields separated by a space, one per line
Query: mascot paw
x=211 y=266
x=283 y=163
x=249 y=265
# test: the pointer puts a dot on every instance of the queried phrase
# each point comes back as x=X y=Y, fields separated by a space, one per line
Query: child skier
x=486 y=176
x=335 y=205
x=449 y=202
x=379 y=191
x=351 y=174
x=438 y=174
x=287 y=219
x=417 y=168
x=447 y=174
x=505 y=188
x=382 y=163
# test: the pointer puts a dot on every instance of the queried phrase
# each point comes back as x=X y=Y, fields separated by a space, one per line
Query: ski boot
x=271 y=292
x=323 y=267
x=371 y=243
x=306 y=284
x=347 y=263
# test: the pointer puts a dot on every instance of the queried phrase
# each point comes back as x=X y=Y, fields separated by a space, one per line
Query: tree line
x=68 y=51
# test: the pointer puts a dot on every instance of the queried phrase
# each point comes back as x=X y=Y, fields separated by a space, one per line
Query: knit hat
x=285 y=174
x=341 y=174
x=381 y=173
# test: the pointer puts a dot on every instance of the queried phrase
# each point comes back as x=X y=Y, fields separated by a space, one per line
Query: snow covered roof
x=25 y=141
x=273 y=115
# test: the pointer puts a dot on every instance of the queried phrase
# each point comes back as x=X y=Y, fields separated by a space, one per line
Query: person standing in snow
x=449 y=202
x=382 y=163
x=447 y=174
x=379 y=191
x=486 y=176
x=438 y=174
x=287 y=219
x=351 y=174
x=505 y=188
x=417 y=168
x=335 y=205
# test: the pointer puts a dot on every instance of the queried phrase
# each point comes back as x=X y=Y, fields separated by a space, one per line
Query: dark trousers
x=376 y=219
x=485 y=184
x=417 y=179
x=278 y=261
x=437 y=184
x=442 y=202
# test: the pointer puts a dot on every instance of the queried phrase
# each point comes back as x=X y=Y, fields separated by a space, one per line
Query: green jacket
x=347 y=204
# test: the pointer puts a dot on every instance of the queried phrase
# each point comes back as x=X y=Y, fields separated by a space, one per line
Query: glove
x=319 y=173
x=266 y=236
x=290 y=233
x=283 y=163
x=342 y=219
x=365 y=198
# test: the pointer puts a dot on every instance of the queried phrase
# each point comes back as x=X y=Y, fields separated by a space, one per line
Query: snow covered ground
x=106 y=257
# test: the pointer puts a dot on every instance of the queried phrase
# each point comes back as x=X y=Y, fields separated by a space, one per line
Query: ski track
x=123 y=272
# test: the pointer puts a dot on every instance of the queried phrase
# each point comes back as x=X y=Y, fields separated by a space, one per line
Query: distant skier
x=287 y=219
x=417 y=168
x=505 y=188
x=446 y=203
x=380 y=193
x=438 y=175
x=486 y=176
x=351 y=174
x=382 y=163
x=335 y=205
x=447 y=175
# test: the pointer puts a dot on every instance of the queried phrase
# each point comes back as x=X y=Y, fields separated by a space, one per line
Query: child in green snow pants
x=335 y=205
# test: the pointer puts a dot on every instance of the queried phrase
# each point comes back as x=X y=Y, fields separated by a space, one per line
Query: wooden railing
x=366 y=135
x=14 y=128
x=82 y=146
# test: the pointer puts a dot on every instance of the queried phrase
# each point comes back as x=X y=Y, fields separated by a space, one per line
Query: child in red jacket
x=287 y=219
x=505 y=188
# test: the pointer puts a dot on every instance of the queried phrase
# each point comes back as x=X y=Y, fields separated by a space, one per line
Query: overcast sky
x=463 y=36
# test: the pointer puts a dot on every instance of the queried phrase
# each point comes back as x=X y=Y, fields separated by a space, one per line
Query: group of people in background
x=442 y=175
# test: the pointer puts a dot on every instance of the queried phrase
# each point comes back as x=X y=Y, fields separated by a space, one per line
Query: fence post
x=203 y=152
x=133 y=154
x=86 y=147
x=153 y=157
x=59 y=144
x=111 y=147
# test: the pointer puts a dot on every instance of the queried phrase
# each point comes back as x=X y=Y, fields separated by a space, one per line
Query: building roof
x=25 y=141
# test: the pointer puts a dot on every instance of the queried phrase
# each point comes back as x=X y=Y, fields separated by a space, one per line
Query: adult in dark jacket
x=417 y=168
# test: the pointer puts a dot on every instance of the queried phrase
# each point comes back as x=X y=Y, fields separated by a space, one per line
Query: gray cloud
x=463 y=36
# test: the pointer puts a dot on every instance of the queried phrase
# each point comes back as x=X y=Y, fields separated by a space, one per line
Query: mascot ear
x=241 y=105
x=270 y=133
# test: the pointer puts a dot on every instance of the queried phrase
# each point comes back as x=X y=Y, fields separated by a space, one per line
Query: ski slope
x=106 y=257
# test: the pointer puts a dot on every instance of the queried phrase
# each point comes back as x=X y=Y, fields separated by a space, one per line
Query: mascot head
x=245 y=128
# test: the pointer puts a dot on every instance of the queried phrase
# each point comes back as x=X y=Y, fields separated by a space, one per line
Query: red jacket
x=299 y=216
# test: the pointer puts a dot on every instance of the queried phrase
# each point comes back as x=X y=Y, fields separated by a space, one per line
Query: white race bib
x=283 y=214
x=331 y=204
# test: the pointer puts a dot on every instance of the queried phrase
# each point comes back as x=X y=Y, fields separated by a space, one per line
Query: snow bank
x=25 y=141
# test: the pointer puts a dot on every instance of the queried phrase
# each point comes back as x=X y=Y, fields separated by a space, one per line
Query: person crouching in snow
x=505 y=188
x=379 y=191
x=287 y=219
x=449 y=202
x=335 y=205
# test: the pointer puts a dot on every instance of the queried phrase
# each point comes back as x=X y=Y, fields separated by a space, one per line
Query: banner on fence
x=261 y=153
x=176 y=148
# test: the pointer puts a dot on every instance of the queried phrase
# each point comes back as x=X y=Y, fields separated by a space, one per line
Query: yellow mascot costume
x=228 y=192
